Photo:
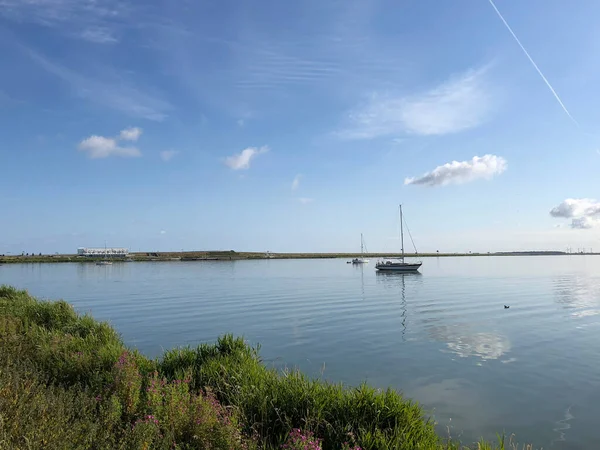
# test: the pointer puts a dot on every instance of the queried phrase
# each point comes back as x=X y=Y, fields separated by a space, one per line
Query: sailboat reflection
x=362 y=281
x=394 y=280
x=361 y=269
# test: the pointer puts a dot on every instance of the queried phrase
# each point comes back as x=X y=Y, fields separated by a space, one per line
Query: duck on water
x=398 y=264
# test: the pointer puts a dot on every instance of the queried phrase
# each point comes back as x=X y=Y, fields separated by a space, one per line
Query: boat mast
x=401 y=233
x=361 y=245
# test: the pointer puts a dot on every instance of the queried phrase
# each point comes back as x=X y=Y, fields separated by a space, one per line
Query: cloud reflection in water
x=465 y=344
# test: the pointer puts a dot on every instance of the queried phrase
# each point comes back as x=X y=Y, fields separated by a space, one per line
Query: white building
x=111 y=252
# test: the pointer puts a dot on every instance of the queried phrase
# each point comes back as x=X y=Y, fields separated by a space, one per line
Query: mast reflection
x=395 y=280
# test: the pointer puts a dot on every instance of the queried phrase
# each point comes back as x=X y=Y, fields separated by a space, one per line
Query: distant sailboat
x=361 y=260
x=392 y=264
x=105 y=261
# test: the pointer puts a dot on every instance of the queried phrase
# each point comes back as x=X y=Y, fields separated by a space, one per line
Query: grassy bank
x=238 y=256
x=69 y=382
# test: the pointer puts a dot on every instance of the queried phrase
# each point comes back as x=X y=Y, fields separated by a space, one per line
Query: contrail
x=534 y=64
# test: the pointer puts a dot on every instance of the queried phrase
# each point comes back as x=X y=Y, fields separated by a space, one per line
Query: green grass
x=276 y=402
x=68 y=381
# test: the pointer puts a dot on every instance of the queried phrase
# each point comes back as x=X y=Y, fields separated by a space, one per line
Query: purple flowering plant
x=301 y=440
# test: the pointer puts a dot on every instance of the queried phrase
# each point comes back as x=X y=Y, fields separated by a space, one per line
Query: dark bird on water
x=506 y=307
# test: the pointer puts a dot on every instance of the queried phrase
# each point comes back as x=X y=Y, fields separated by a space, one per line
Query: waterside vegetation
x=232 y=255
x=68 y=381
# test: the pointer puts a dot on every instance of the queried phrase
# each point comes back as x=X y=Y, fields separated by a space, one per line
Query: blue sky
x=295 y=126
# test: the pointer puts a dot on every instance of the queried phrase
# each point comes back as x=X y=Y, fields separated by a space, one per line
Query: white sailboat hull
x=105 y=261
x=360 y=261
x=362 y=252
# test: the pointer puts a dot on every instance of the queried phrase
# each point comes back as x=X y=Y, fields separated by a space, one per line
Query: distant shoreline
x=238 y=256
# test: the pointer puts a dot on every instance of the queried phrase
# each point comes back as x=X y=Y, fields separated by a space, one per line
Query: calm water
x=443 y=337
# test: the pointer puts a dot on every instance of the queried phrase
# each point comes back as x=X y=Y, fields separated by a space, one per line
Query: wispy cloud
x=306 y=200
x=339 y=47
x=6 y=99
x=168 y=155
x=583 y=212
x=459 y=104
x=455 y=172
x=99 y=35
x=114 y=91
x=296 y=182
x=263 y=67
x=130 y=134
x=241 y=161
x=554 y=93
x=98 y=147
x=91 y=20
x=273 y=65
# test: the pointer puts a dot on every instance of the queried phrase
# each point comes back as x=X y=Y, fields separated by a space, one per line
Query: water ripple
x=442 y=336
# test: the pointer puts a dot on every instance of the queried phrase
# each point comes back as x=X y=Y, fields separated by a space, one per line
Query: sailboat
x=361 y=260
x=105 y=261
x=398 y=264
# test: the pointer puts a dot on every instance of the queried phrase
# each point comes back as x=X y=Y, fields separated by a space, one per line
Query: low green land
x=234 y=256
x=69 y=382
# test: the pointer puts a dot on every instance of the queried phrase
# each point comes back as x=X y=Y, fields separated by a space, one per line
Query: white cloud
x=168 y=155
x=458 y=104
x=583 y=212
x=306 y=200
x=576 y=207
x=101 y=147
x=163 y=232
x=296 y=182
x=457 y=172
x=242 y=160
x=130 y=134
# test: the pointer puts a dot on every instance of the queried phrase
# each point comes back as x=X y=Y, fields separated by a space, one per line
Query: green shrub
x=36 y=415
x=68 y=382
x=273 y=403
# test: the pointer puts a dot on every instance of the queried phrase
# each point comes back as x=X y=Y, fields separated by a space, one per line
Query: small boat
x=398 y=264
x=105 y=261
x=361 y=260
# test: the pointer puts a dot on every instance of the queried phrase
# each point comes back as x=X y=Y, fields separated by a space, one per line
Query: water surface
x=442 y=337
